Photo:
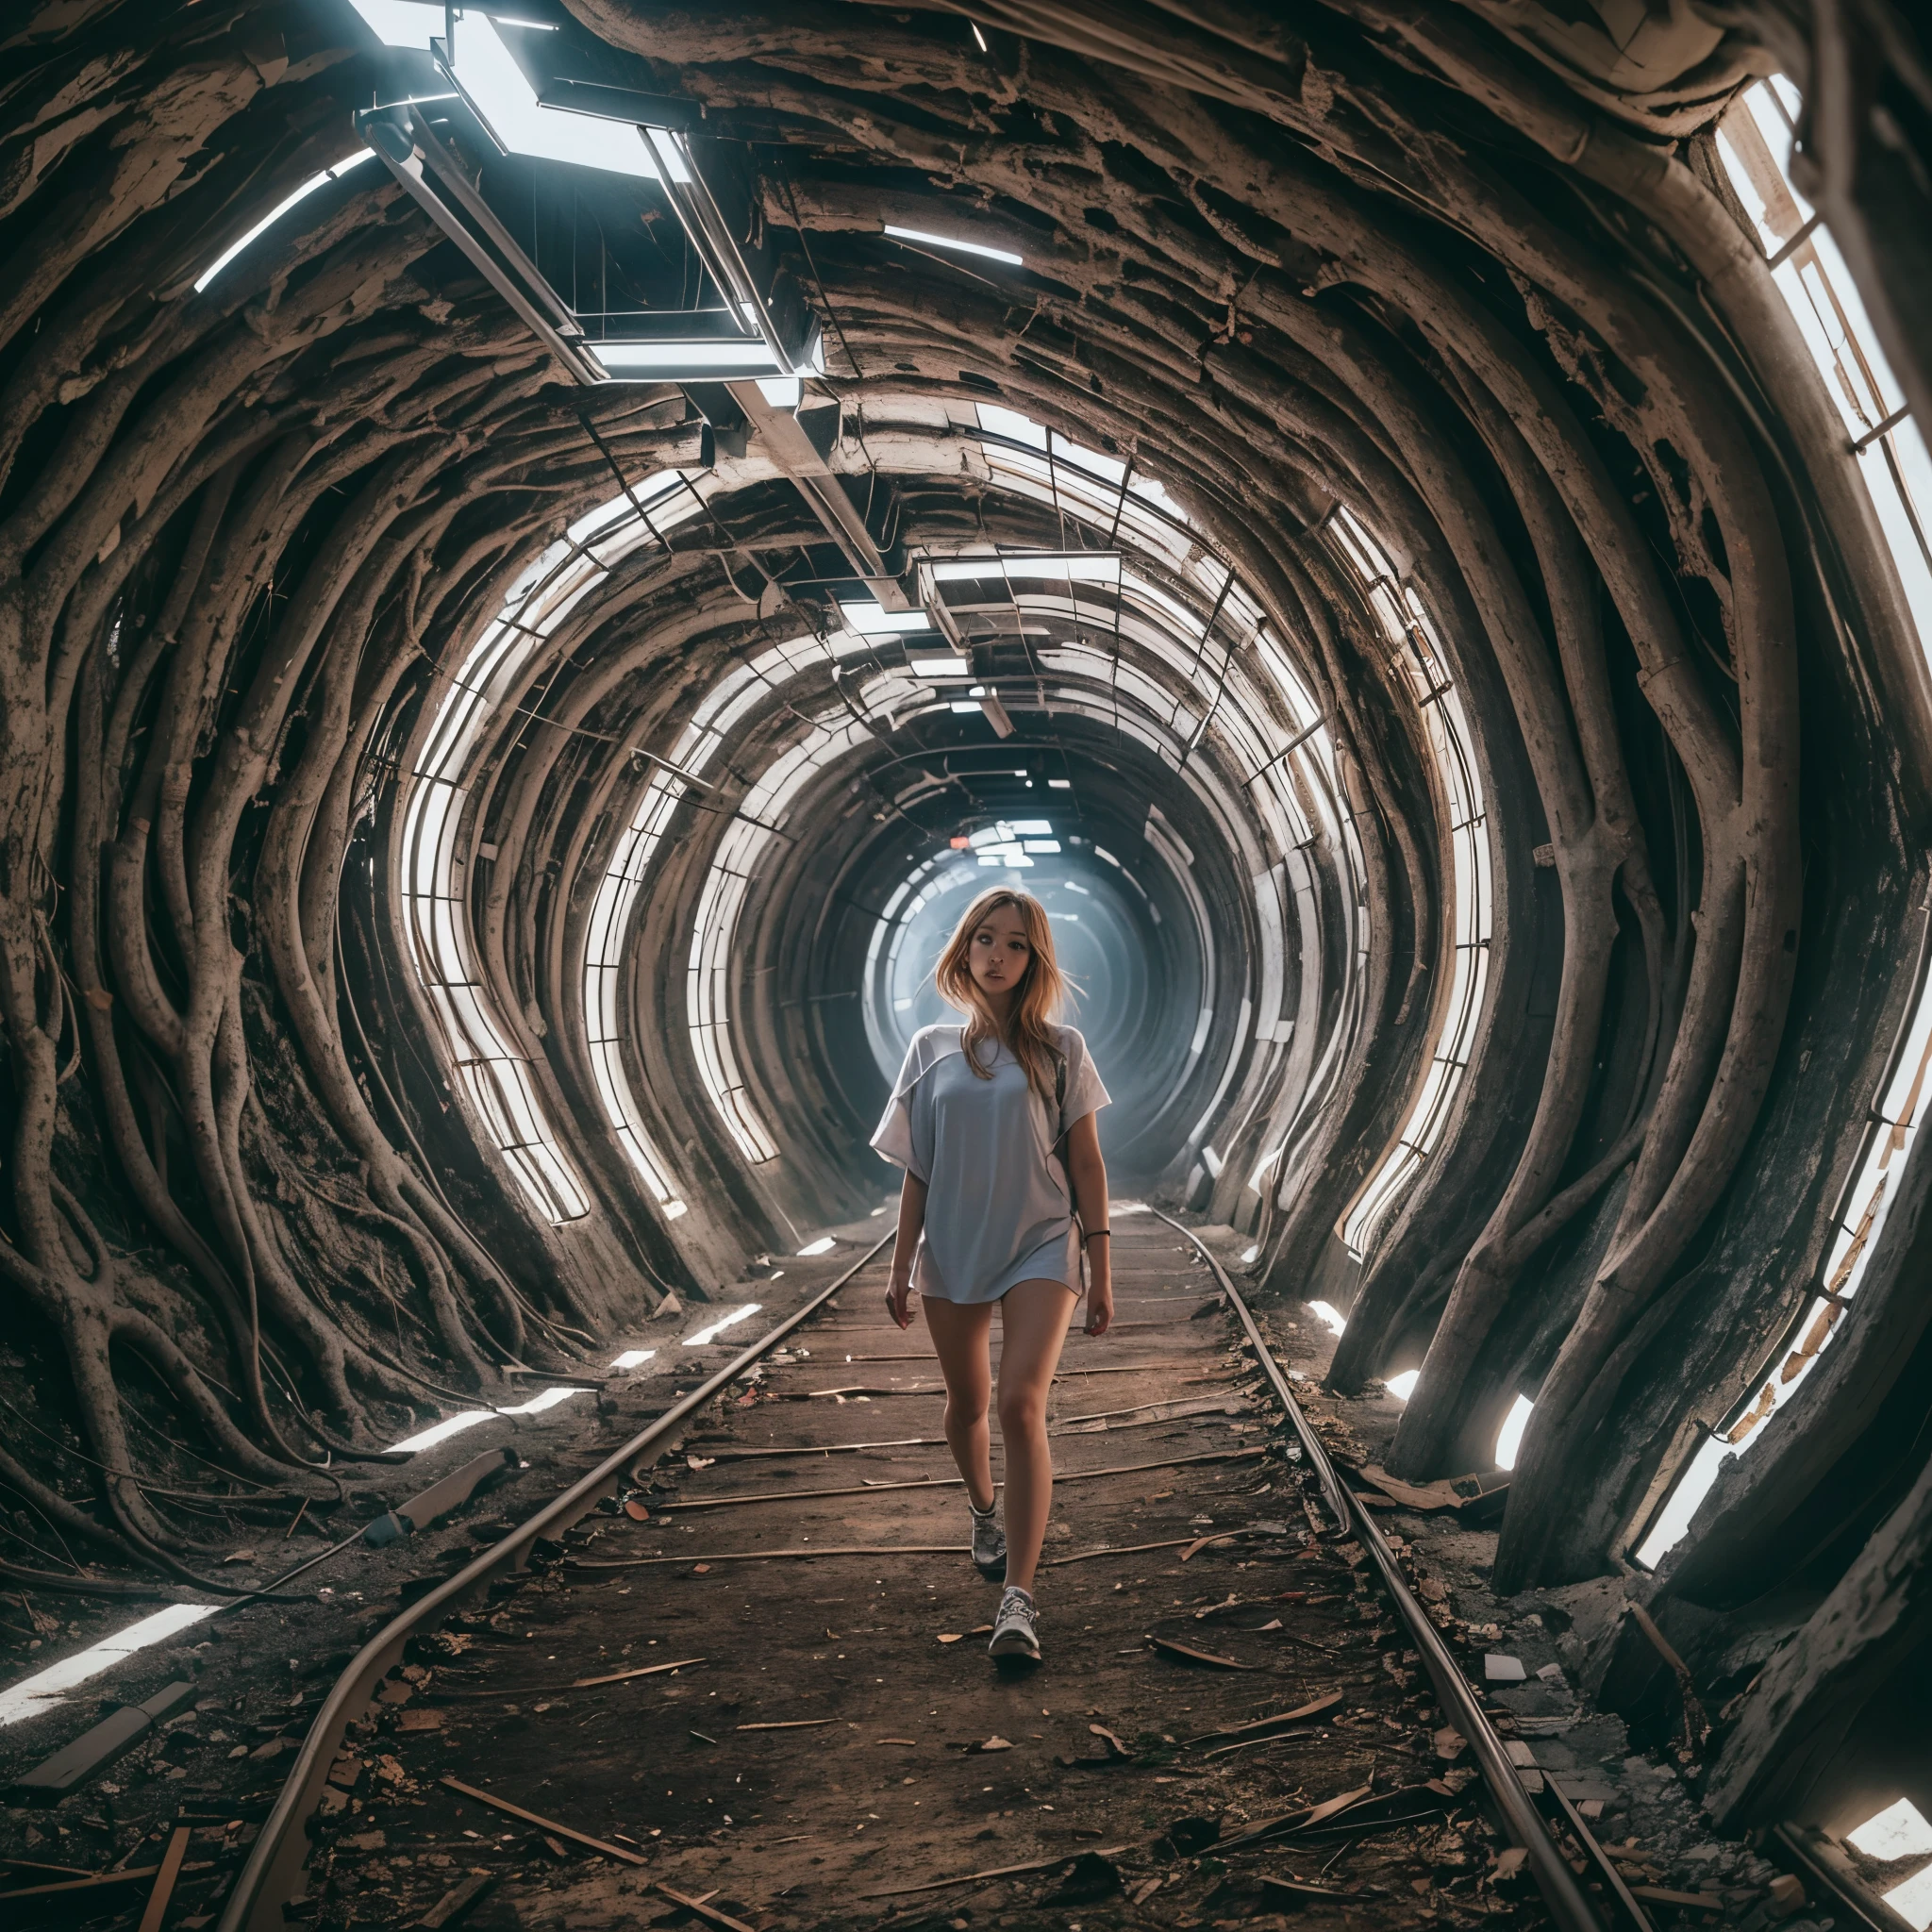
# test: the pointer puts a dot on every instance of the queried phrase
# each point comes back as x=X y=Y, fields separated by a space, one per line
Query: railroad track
x=819 y=1706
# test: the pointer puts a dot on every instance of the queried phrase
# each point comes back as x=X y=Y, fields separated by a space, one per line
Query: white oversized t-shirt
x=998 y=1207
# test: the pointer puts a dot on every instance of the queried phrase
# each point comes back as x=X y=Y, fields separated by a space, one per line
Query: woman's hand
x=1099 y=1287
x=912 y=1220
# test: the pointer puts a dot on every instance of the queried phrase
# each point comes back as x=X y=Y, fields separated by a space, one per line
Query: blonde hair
x=1037 y=999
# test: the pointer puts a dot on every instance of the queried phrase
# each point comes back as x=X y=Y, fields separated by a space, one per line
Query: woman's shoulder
x=929 y=1047
x=1069 y=1041
x=941 y=1036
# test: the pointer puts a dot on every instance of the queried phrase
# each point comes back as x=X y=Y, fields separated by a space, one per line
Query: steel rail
x=1569 y=1903
x=273 y=1875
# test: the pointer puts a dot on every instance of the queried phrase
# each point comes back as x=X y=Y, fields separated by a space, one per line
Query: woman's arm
x=912 y=1220
x=1088 y=1172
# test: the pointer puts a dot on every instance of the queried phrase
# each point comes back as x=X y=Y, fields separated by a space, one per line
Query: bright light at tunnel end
x=1509 y=1442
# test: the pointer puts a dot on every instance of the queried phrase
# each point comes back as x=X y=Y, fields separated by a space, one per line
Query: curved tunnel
x=541 y=571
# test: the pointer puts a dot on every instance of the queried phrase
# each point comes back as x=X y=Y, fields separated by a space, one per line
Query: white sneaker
x=1015 y=1630
x=989 y=1543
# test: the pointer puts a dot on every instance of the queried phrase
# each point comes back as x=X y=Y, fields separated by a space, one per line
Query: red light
x=960 y=844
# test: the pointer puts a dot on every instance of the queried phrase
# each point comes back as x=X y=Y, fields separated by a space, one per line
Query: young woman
x=994 y=1123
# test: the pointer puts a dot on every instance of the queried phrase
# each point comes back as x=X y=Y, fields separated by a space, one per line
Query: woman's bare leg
x=1033 y=1324
x=961 y=1332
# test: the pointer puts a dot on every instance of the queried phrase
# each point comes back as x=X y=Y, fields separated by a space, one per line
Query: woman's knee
x=1022 y=1411
x=966 y=1411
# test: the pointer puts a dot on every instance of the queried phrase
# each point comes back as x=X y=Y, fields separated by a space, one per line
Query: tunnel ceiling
x=1399 y=521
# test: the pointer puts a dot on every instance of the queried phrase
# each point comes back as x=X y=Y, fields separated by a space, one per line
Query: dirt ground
x=842 y=1750
x=819 y=1739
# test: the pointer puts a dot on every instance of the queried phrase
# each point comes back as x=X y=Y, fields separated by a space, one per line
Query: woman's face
x=1000 y=954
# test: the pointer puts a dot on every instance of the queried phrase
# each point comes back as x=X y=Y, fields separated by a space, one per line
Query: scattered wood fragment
x=1291 y=1822
x=994 y=1743
x=1114 y=1747
x=1175 y=1409
x=454 y=1903
x=1314 y=1709
x=166 y=1877
x=792 y=1723
x=575 y=1684
x=1188 y=1651
x=1663 y=1895
x=542 y=1823
x=770 y=1556
x=98 y=1747
x=1303 y=1888
x=996 y=1872
x=829 y=1448
x=710 y=1914
x=1200 y=1543
x=953 y=1482
x=846 y=1390
x=132 y=1875
x=1243 y=1603
x=895 y=1741
x=642 y=1671
x=1116 y=1550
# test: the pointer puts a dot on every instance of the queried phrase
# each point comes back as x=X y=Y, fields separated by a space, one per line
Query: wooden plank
x=99 y=1880
x=996 y=1872
x=162 y=1896
x=542 y=1823
x=1199 y=1657
x=642 y=1671
x=953 y=1482
x=710 y=1914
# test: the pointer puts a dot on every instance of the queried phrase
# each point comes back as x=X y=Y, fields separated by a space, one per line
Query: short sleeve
x=904 y=1135
x=1085 y=1091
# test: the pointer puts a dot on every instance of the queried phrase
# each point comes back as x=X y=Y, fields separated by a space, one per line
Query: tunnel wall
x=1440 y=405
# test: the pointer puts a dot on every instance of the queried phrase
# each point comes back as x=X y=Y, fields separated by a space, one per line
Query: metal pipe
x=273 y=1875
x=1568 y=1902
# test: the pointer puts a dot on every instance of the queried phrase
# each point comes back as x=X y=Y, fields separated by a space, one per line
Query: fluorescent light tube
x=43 y=1690
x=1086 y=567
x=282 y=208
x=674 y=360
x=955 y=242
